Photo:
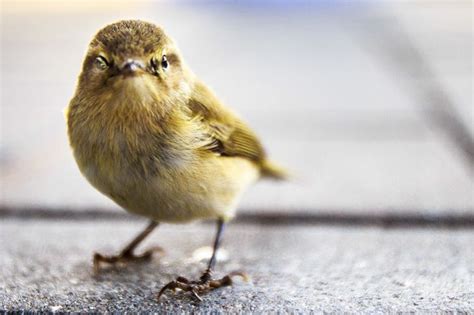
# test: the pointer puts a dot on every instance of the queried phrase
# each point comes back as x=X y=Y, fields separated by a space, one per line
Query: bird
x=151 y=136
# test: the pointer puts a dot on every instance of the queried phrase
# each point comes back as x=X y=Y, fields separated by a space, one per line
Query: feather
x=228 y=134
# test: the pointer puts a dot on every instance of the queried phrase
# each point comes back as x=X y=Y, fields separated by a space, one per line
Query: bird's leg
x=127 y=254
x=205 y=283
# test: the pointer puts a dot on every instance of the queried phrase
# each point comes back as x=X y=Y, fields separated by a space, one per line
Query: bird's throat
x=138 y=88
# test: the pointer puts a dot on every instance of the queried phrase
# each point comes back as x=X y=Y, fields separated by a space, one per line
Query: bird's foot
x=124 y=258
x=203 y=285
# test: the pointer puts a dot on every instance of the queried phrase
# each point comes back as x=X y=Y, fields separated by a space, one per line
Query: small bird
x=147 y=133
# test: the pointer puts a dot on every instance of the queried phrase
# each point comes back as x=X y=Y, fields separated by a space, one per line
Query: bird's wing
x=229 y=135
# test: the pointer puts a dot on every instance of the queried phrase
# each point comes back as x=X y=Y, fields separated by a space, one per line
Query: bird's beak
x=132 y=67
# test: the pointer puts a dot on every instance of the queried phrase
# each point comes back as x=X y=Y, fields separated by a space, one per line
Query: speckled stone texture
x=46 y=265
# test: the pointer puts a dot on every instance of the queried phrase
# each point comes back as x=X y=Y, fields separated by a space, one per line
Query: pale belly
x=208 y=188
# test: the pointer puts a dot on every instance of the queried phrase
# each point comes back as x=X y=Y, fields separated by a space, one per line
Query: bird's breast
x=115 y=157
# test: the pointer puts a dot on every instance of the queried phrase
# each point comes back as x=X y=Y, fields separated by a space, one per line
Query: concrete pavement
x=292 y=269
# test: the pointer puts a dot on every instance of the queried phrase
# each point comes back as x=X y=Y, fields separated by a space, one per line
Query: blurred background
x=369 y=103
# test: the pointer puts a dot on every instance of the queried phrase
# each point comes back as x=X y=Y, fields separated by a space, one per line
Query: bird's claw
x=124 y=258
x=204 y=285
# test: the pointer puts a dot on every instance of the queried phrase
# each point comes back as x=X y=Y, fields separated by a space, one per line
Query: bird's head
x=132 y=63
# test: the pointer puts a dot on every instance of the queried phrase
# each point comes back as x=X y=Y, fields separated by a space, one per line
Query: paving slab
x=46 y=265
x=451 y=21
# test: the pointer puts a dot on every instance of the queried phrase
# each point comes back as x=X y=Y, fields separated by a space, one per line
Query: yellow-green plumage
x=157 y=141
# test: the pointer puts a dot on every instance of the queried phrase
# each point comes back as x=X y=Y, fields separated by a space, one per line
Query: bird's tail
x=273 y=171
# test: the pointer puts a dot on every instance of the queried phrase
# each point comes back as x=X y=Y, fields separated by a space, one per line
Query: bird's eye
x=101 y=63
x=155 y=64
x=164 y=62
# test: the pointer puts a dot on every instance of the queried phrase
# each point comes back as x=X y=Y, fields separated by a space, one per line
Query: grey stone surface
x=46 y=265
x=325 y=106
